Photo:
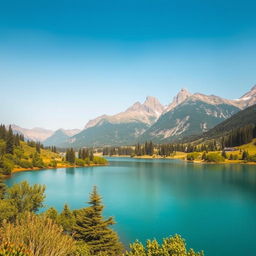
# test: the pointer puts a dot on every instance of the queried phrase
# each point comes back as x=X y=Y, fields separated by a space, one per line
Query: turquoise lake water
x=212 y=206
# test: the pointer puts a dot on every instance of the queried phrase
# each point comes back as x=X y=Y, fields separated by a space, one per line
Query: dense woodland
x=81 y=232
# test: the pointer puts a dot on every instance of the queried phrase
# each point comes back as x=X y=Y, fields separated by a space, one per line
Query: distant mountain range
x=188 y=114
x=41 y=134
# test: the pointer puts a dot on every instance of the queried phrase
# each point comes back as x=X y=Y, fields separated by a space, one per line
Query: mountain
x=247 y=99
x=120 y=129
x=35 y=134
x=242 y=118
x=197 y=114
x=60 y=137
x=193 y=114
x=178 y=99
x=187 y=115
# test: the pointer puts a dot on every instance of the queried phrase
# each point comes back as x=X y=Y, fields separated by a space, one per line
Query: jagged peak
x=153 y=103
x=249 y=94
x=181 y=96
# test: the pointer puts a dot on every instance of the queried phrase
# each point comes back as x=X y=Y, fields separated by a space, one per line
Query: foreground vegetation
x=18 y=155
x=82 y=232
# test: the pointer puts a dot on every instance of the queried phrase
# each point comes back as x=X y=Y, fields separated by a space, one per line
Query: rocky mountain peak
x=182 y=95
x=250 y=94
x=153 y=104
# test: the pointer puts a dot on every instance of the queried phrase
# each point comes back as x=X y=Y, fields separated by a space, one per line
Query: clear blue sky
x=65 y=62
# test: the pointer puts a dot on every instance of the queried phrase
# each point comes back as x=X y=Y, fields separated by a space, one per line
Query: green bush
x=8 y=211
x=193 y=156
x=53 y=163
x=80 y=162
x=172 y=246
x=99 y=160
x=37 y=161
x=214 y=157
x=252 y=158
x=6 y=165
x=25 y=164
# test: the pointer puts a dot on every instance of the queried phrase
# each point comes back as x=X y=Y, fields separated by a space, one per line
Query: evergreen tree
x=94 y=230
x=224 y=155
x=91 y=156
x=245 y=155
x=38 y=147
x=66 y=219
x=9 y=141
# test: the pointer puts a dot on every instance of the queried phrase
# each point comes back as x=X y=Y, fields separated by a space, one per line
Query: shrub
x=214 y=157
x=252 y=158
x=6 y=166
x=193 y=156
x=38 y=234
x=7 y=210
x=8 y=249
x=37 y=161
x=25 y=164
x=25 y=197
x=80 y=162
x=53 y=163
x=99 y=160
x=171 y=246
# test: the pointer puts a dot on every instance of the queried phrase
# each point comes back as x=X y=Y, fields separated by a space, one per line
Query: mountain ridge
x=187 y=114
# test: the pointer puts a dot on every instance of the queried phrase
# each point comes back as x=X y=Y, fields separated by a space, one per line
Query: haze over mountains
x=188 y=114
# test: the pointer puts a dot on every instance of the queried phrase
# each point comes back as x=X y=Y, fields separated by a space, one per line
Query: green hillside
x=241 y=119
x=18 y=155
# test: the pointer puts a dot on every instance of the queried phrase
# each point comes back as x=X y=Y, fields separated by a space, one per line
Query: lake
x=212 y=206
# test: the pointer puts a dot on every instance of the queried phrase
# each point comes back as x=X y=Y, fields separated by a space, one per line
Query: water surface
x=212 y=206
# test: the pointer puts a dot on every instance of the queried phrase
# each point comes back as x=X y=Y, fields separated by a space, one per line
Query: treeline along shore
x=17 y=154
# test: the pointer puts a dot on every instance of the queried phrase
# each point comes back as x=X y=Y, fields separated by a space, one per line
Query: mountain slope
x=35 y=134
x=60 y=137
x=121 y=129
x=194 y=116
x=57 y=139
x=240 y=119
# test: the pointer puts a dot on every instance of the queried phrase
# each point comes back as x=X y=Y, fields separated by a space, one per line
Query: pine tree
x=224 y=154
x=9 y=141
x=94 y=230
x=66 y=219
x=91 y=155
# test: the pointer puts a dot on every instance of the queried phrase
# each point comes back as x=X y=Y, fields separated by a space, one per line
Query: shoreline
x=189 y=161
x=15 y=170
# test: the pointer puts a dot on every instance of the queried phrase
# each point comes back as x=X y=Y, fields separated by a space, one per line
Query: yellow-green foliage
x=99 y=160
x=214 y=157
x=193 y=156
x=8 y=249
x=250 y=147
x=38 y=234
x=46 y=155
x=172 y=246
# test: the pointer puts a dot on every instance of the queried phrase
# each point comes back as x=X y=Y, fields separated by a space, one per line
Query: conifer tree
x=94 y=230
x=224 y=154
x=66 y=219
x=91 y=156
x=9 y=141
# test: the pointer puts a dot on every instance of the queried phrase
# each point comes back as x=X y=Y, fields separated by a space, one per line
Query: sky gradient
x=65 y=62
